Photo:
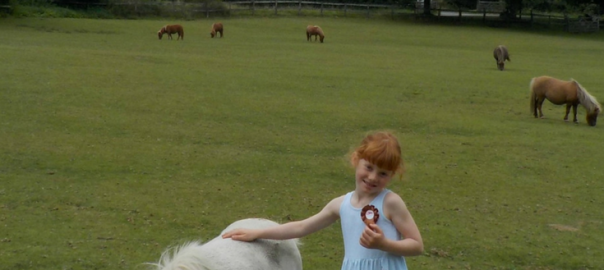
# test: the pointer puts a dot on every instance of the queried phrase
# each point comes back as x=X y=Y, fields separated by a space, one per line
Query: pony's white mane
x=227 y=254
x=587 y=100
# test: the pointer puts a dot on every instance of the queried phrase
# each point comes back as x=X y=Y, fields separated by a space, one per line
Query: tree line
x=512 y=7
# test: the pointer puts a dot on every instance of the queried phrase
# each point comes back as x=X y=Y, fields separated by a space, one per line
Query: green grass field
x=115 y=145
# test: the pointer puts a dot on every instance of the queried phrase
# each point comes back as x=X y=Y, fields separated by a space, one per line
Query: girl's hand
x=246 y=235
x=372 y=237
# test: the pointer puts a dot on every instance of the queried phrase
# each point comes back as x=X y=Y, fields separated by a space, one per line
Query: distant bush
x=117 y=9
x=45 y=12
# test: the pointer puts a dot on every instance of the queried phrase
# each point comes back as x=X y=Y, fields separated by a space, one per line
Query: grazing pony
x=561 y=92
x=229 y=254
x=501 y=54
x=216 y=27
x=172 y=29
x=314 y=30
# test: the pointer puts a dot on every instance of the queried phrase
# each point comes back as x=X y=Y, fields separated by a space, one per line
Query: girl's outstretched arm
x=295 y=229
x=411 y=244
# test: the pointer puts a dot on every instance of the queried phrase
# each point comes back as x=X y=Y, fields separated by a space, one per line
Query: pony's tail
x=186 y=256
x=533 y=95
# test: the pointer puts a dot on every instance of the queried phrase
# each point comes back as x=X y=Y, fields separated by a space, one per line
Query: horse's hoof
x=565 y=120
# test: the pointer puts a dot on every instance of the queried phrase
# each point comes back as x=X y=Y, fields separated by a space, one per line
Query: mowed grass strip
x=116 y=145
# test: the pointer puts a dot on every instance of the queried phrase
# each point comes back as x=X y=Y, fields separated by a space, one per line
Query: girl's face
x=371 y=178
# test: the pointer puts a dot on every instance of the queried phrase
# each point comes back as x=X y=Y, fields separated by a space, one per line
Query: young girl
x=367 y=247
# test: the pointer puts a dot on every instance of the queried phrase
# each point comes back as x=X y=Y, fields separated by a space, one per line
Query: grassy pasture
x=115 y=145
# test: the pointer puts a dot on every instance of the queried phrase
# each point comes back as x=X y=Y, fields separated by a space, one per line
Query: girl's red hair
x=381 y=149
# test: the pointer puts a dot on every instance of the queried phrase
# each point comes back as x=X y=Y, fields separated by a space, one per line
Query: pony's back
x=500 y=53
x=314 y=30
x=228 y=254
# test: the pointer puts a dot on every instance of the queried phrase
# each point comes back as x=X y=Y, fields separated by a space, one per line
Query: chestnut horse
x=216 y=27
x=229 y=254
x=314 y=30
x=172 y=29
x=561 y=92
x=501 y=54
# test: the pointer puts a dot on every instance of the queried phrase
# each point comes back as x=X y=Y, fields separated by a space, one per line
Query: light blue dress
x=357 y=257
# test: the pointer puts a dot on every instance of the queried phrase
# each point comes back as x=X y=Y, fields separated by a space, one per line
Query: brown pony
x=314 y=30
x=501 y=54
x=216 y=27
x=561 y=92
x=172 y=29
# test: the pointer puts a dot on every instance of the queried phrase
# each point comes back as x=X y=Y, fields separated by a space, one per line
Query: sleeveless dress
x=357 y=257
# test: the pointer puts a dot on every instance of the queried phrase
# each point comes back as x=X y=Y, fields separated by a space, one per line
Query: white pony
x=228 y=254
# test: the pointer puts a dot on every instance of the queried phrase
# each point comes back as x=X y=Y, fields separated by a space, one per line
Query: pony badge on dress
x=561 y=92
x=501 y=54
x=228 y=254
x=314 y=30
x=172 y=29
x=216 y=28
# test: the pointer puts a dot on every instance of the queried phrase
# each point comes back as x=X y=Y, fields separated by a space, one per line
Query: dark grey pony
x=501 y=54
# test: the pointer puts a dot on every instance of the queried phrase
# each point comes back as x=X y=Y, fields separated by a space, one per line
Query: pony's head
x=592 y=118
x=320 y=32
x=501 y=54
x=213 y=33
x=161 y=32
x=590 y=103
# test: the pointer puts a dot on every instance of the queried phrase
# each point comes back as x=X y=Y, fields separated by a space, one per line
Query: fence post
x=276 y=7
x=460 y=14
x=484 y=15
x=392 y=11
x=205 y=8
x=321 y=9
x=345 y=9
x=299 y=7
x=253 y=9
x=531 y=18
x=367 y=11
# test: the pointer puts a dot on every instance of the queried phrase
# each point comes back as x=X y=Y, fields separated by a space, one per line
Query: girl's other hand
x=246 y=235
x=372 y=237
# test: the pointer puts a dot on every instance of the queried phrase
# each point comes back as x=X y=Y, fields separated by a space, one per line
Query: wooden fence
x=299 y=7
x=491 y=6
x=585 y=25
x=5 y=6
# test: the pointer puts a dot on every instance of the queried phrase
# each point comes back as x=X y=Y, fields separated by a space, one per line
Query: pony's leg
x=575 y=113
x=539 y=105
x=567 y=111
